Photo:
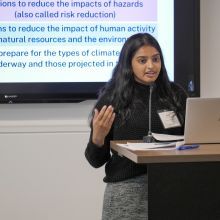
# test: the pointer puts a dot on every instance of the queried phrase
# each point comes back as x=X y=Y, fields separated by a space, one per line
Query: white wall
x=210 y=48
x=43 y=171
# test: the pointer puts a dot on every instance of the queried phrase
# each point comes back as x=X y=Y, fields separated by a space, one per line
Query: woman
x=121 y=113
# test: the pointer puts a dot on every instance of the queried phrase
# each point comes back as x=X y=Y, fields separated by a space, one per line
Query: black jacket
x=119 y=168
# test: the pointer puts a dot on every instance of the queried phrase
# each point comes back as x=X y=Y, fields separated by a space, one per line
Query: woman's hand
x=102 y=122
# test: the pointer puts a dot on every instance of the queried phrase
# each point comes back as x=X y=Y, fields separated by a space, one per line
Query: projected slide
x=76 y=41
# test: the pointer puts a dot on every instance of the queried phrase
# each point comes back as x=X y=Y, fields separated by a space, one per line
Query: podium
x=182 y=184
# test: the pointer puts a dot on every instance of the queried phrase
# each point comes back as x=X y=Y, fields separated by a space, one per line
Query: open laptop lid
x=202 y=123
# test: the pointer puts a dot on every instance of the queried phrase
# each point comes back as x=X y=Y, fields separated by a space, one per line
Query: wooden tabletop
x=205 y=152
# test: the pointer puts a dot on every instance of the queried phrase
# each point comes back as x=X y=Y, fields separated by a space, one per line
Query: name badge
x=169 y=119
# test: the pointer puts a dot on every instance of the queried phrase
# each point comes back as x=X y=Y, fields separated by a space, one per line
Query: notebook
x=202 y=122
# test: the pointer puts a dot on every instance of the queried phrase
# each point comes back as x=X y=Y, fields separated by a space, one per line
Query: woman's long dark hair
x=120 y=88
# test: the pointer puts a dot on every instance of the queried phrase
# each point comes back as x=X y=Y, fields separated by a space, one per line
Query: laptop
x=202 y=122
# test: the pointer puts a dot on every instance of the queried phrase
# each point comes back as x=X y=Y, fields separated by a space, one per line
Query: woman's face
x=146 y=64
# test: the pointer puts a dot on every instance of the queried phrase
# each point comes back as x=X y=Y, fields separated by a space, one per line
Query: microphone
x=149 y=138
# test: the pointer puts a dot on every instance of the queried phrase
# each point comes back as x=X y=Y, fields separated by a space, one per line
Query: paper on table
x=149 y=146
x=179 y=145
x=167 y=137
